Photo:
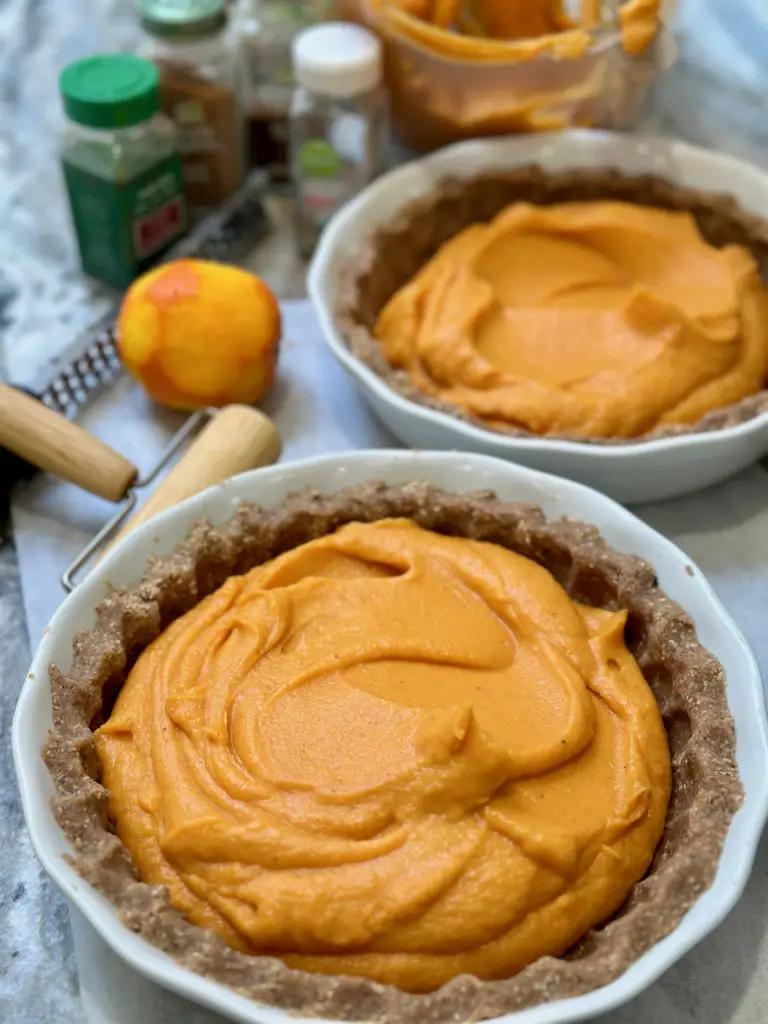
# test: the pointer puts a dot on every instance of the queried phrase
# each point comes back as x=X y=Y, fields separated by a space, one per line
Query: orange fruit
x=196 y=333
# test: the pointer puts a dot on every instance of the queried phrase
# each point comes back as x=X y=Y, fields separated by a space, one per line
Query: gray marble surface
x=715 y=97
x=38 y=982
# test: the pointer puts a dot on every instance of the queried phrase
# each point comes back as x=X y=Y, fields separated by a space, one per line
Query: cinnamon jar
x=195 y=52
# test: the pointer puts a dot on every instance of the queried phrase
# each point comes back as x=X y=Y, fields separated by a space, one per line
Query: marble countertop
x=714 y=97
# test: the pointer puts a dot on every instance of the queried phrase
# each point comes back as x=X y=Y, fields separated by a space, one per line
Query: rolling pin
x=54 y=444
x=236 y=439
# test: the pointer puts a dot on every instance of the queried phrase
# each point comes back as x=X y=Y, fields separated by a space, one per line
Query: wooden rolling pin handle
x=236 y=439
x=50 y=442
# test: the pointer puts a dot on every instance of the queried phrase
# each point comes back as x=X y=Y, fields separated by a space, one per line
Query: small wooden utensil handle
x=236 y=439
x=50 y=442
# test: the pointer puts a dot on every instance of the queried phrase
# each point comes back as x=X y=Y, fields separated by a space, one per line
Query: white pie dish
x=639 y=472
x=455 y=472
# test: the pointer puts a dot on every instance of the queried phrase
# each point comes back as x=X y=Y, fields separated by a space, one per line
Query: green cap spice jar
x=121 y=166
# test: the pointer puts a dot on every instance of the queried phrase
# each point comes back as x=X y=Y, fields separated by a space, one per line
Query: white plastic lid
x=337 y=59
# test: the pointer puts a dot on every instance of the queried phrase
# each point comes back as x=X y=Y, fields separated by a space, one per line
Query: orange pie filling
x=602 y=319
x=393 y=754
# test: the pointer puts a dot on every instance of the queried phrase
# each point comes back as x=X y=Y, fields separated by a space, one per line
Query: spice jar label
x=322 y=183
x=318 y=159
x=122 y=228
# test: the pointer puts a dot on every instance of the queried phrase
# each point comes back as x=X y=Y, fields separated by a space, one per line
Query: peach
x=196 y=333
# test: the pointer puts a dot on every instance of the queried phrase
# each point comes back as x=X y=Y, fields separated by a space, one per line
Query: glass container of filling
x=121 y=166
x=339 y=128
x=459 y=69
x=195 y=52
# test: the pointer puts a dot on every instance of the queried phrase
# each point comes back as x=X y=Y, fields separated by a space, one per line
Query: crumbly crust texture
x=392 y=254
x=688 y=682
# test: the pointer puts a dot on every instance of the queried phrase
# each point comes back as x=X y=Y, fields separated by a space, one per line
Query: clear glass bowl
x=439 y=99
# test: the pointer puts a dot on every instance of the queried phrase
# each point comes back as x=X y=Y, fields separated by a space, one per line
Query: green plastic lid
x=183 y=19
x=114 y=91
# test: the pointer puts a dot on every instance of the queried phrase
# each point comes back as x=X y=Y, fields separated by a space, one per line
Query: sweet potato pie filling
x=394 y=754
x=604 y=319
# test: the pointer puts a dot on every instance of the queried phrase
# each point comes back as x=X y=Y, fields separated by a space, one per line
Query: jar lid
x=183 y=19
x=112 y=91
x=337 y=59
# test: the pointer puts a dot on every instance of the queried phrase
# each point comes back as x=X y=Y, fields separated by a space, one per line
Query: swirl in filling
x=602 y=319
x=393 y=754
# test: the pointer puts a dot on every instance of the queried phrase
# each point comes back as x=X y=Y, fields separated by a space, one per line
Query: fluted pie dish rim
x=458 y=474
x=651 y=468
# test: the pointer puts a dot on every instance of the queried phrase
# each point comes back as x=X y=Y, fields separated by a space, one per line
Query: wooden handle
x=52 y=443
x=236 y=439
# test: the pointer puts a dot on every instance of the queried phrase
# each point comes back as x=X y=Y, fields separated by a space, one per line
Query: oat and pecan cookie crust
x=688 y=683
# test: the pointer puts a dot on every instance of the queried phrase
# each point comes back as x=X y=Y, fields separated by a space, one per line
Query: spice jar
x=121 y=166
x=339 y=128
x=266 y=30
x=195 y=52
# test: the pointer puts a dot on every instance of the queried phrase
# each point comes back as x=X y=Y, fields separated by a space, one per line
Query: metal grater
x=97 y=367
x=92 y=362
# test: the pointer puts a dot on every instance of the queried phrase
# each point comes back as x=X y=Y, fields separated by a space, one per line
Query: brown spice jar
x=206 y=115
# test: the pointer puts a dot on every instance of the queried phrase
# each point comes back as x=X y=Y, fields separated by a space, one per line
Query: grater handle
x=237 y=439
x=50 y=442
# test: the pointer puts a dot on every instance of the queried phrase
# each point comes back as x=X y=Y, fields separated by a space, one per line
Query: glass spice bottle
x=121 y=166
x=266 y=30
x=195 y=51
x=339 y=125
